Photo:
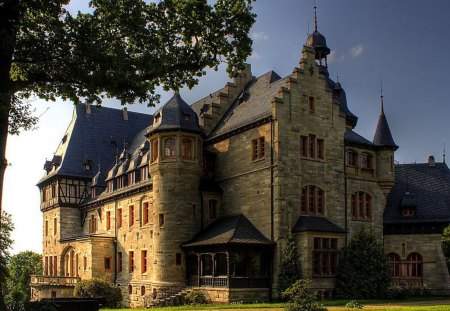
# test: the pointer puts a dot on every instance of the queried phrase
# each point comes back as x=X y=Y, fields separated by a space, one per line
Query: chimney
x=431 y=161
x=125 y=113
x=88 y=108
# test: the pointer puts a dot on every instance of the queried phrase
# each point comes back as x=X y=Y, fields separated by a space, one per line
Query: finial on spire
x=337 y=78
x=381 y=96
x=443 y=155
x=315 y=16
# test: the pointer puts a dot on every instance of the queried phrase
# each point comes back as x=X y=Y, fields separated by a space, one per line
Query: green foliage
x=20 y=268
x=353 y=305
x=95 y=288
x=6 y=227
x=290 y=268
x=445 y=242
x=301 y=297
x=196 y=297
x=363 y=272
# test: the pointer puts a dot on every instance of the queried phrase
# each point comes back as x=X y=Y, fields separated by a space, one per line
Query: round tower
x=175 y=168
x=385 y=155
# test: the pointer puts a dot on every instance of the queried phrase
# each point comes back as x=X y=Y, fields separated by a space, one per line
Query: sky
x=404 y=43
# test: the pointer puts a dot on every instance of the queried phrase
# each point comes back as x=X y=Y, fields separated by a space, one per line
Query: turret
x=175 y=168
x=319 y=44
x=385 y=155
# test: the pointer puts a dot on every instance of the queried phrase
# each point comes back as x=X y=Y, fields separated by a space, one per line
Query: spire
x=315 y=16
x=383 y=136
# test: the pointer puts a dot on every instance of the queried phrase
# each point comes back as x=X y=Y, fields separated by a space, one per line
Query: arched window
x=394 y=264
x=312 y=201
x=186 y=148
x=361 y=206
x=414 y=265
x=169 y=147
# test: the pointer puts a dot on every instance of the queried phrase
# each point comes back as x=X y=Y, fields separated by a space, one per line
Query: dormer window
x=186 y=117
x=408 y=211
x=157 y=119
x=87 y=165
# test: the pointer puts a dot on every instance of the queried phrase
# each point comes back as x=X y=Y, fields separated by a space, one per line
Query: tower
x=175 y=167
x=318 y=42
x=385 y=155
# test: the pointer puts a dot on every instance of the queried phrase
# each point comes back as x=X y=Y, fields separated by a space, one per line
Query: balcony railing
x=232 y=282
x=54 y=280
x=407 y=282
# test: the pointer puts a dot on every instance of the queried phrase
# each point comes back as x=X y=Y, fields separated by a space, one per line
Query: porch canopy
x=230 y=252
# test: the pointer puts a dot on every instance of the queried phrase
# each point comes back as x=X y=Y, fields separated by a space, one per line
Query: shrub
x=301 y=297
x=196 y=297
x=363 y=272
x=290 y=268
x=353 y=305
x=96 y=288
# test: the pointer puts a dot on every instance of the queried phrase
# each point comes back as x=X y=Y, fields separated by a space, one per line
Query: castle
x=204 y=195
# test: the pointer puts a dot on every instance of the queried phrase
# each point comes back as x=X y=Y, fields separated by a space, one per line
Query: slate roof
x=383 y=136
x=353 y=138
x=317 y=224
x=172 y=117
x=95 y=136
x=235 y=229
x=340 y=97
x=423 y=186
x=254 y=104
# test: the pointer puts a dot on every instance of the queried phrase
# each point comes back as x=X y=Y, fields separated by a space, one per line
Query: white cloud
x=335 y=57
x=357 y=50
x=255 y=56
x=259 y=36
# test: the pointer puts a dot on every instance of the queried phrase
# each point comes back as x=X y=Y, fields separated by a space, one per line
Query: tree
x=363 y=271
x=6 y=227
x=301 y=297
x=20 y=269
x=95 y=288
x=445 y=242
x=123 y=49
x=290 y=268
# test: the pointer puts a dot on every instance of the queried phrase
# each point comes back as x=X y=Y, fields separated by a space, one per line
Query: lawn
x=434 y=304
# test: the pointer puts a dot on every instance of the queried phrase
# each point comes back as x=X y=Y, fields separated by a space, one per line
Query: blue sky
x=405 y=43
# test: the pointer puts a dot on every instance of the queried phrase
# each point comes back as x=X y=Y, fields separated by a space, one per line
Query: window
x=46 y=265
x=130 y=215
x=107 y=263
x=108 y=220
x=212 y=208
x=119 y=262
x=130 y=289
x=178 y=259
x=72 y=191
x=186 y=117
x=155 y=150
x=55 y=226
x=55 y=265
x=394 y=264
x=366 y=161
x=186 y=148
x=311 y=104
x=130 y=261
x=361 y=203
x=46 y=228
x=53 y=294
x=143 y=261
x=258 y=149
x=131 y=178
x=161 y=220
x=312 y=147
x=120 y=182
x=119 y=218
x=50 y=265
x=110 y=186
x=145 y=213
x=350 y=158
x=169 y=148
x=84 y=263
x=144 y=172
x=312 y=201
x=408 y=211
x=142 y=290
x=54 y=191
x=92 y=224
x=325 y=257
x=414 y=265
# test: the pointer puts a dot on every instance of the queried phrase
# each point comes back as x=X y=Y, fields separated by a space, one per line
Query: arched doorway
x=70 y=263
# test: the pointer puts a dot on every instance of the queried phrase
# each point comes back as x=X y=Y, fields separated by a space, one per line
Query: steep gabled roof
x=354 y=139
x=236 y=229
x=383 y=136
x=95 y=136
x=423 y=186
x=255 y=103
x=316 y=224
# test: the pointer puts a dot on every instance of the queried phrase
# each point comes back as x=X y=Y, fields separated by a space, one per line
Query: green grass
x=429 y=304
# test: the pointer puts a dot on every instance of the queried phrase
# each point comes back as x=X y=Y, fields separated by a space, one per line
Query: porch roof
x=317 y=224
x=236 y=229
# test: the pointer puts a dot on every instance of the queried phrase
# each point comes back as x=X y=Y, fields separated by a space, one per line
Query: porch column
x=228 y=269
x=198 y=269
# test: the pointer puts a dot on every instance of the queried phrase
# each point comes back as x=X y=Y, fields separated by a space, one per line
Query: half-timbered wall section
x=73 y=191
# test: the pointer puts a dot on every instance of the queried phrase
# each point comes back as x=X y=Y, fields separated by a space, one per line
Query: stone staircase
x=176 y=299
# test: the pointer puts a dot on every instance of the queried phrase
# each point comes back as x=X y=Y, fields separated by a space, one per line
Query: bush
x=196 y=297
x=363 y=272
x=353 y=305
x=290 y=268
x=301 y=297
x=96 y=288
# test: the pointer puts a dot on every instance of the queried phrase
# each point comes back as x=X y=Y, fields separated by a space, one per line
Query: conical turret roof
x=383 y=136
